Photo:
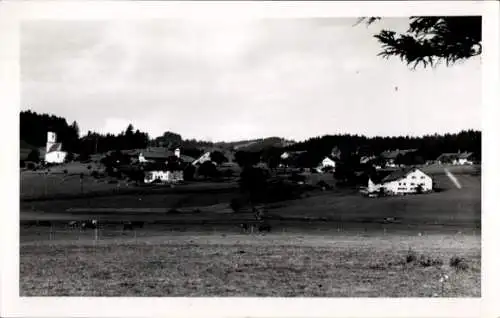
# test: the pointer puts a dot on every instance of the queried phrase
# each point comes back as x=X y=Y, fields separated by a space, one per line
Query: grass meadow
x=328 y=243
x=281 y=265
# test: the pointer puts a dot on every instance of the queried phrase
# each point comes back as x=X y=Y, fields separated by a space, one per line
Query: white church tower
x=53 y=152
x=51 y=140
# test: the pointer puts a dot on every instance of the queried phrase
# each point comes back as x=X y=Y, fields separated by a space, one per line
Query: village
x=384 y=173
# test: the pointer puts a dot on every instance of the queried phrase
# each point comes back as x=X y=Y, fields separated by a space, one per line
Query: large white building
x=174 y=175
x=402 y=182
x=53 y=151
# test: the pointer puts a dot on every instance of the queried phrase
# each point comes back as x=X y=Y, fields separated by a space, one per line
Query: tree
x=189 y=171
x=432 y=40
x=69 y=157
x=168 y=139
x=253 y=181
x=208 y=170
x=218 y=157
x=246 y=159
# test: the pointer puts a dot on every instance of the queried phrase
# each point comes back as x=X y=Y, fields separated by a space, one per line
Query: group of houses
x=167 y=165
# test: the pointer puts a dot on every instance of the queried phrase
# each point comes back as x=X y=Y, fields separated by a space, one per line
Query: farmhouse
x=459 y=158
x=410 y=180
x=327 y=162
x=162 y=166
x=54 y=153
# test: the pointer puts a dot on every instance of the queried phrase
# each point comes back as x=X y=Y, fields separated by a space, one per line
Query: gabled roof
x=464 y=155
x=398 y=174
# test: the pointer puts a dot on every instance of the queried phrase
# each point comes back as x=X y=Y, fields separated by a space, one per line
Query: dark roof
x=24 y=145
x=187 y=159
x=24 y=153
x=157 y=154
x=378 y=176
x=55 y=147
x=383 y=176
x=464 y=155
x=454 y=155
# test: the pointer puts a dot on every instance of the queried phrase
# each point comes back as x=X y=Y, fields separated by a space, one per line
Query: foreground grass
x=242 y=265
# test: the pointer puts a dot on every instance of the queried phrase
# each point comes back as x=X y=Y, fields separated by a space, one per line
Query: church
x=54 y=153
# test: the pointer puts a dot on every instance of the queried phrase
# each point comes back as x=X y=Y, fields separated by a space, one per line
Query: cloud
x=288 y=77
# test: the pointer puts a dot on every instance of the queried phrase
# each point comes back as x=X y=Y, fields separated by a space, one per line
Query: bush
x=411 y=256
x=208 y=170
x=427 y=261
x=459 y=263
x=65 y=171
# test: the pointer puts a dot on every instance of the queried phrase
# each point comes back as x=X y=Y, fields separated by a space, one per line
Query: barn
x=404 y=181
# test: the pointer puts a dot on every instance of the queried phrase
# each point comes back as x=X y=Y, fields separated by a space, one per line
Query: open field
x=329 y=243
x=285 y=264
x=459 y=207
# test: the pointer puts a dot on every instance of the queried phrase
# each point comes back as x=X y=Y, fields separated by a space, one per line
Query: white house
x=402 y=182
x=164 y=176
x=53 y=153
x=459 y=158
x=327 y=162
x=160 y=171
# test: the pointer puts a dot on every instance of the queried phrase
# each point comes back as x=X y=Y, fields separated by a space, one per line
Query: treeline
x=429 y=147
x=98 y=143
x=34 y=128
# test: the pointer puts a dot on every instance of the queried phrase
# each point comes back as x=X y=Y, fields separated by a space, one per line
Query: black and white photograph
x=317 y=156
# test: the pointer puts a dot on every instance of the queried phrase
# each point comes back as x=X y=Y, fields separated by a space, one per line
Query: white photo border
x=12 y=14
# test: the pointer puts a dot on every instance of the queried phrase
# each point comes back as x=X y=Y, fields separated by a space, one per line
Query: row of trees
x=34 y=129
x=429 y=147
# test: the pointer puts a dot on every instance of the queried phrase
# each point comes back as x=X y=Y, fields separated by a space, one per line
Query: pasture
x=329 y=264
x=332 y=243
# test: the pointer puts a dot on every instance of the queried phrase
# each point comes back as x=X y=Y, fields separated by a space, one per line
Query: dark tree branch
x=432 y=40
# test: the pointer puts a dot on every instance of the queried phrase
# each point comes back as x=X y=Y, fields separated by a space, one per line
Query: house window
x=412 y=184
x=413 y=177
x=422 y=177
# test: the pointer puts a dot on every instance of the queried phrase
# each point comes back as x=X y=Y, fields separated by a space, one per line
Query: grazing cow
x=131 y=225
x=266 y=227
x=246 y=227
x=258 y=214
x=73 y=224
x=89 y=224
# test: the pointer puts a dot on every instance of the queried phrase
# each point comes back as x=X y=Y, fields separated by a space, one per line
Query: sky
x=233 y=80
